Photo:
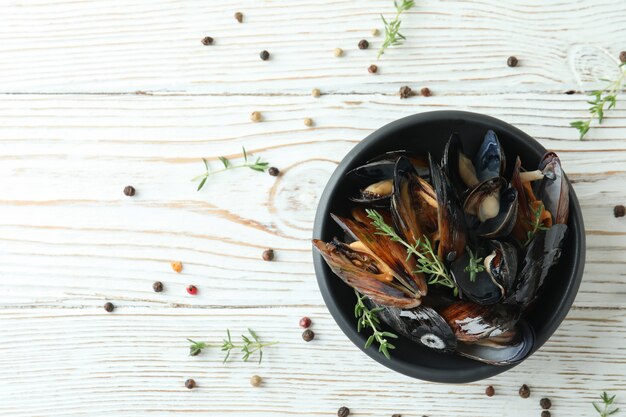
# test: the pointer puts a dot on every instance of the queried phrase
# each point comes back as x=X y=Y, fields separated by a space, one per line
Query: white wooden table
x=95 y=96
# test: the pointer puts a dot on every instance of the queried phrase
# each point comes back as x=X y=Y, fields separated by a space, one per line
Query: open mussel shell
x=507 y=348
x=478 y=287
x=495 y=207
x=501 y=264
x=471 y=322
x=458 y=166
x=553 y=190
x=422 y=325
x=489 y=161
x=376 y=194
x=382 y=166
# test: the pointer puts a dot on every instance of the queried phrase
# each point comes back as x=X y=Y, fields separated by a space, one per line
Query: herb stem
x=367 y=318
x=392 y=34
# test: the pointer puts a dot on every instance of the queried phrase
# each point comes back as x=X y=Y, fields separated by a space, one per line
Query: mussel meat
x=377 y=194
x=553 y=190
x=494 y=205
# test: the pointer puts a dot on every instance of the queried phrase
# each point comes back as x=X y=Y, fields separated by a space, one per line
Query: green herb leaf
x=224 y=161
x=475 y=265
x=202 y=183
x=607 y=402
x=258 y=165
x=392 y=35
x=366 y=318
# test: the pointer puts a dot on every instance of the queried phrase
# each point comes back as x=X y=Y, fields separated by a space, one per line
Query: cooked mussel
x=422 y=325
x=377 y=194
x=494 y=206
x=471 y=322
x=501 y=265
x=382 y=166
x=474 y=281
x=553 y=190
x=507 y=348
x=489 y=161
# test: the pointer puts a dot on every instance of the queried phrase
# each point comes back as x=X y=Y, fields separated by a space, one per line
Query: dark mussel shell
x=489 y=193
x=553 y=190
x=365 y=274
x=422 y=325
x=471 y=322
x=458 y=166
x=377 y=194
x=502 y=265
x=508 y=348
x=542 y=253
x=450 y=217
x=382 y=166
x=482 y=290
x=489 y=161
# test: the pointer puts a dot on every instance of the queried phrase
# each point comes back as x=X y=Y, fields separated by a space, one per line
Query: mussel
x=382 y=166
x=494 y=207
x=474 y=281
x=553 y=190
x=507 y=348
x=376 y=194
x=471 y=322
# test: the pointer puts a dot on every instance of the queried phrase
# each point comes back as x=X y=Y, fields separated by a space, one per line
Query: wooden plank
x=452 y=46
x=69 y=237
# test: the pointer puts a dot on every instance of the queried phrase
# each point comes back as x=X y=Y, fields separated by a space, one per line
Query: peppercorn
x=375 y=32
x=129 y=190
x=490 y=391
x=396 y=415
x=622 y=56
x=338 y=52
x=512 y=61
x=372 y=69
x=316 y=92
x=177 y=266
x=545 y=403
x=343 y=412
x=545 y=413
x=305 y=322
x=157 y=286
x=239 y=17
x=264 y=55
x=570 y=92
x=207 y=40
x=256 y=381
x=192 y=289
x=364 y=44
x=190 y=383
x=255 y=116
x=406 y=92
x=619 y=210
x=308 y=335
x=308 y=121
x=109 y=307
x=273 y=171
x=425 y=91
x=524 y=391
x=268 y=255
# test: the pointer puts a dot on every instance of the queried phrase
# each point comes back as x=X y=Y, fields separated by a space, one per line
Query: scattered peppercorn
x=343 y=412
x=273 y=171
x=425 y=91
x=316 y=92
x=207 y=40
x=338 y=52
x=264 y=55
x=255 y=116
x=308 y=335
x=490 y=391
x=305 y=322
x=524 y=391
x=622 y=56
x=177 y=266
x=192 y=289
x=619 y=210
x=268 y=255
x=545 y=403
x=190 y=383
x=375 y=32
x=308 y=121
x=109 y=307
x=364 y=44
x=129 y=190
x=239 y=17
x=157 y=286
x=372 y=69
x=406 y=92
x=396 y=415
x=570 y=92
x=512 y=61
x=256 y=381
x=545 y=413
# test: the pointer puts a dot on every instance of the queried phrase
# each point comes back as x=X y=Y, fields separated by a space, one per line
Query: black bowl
x=424 y=133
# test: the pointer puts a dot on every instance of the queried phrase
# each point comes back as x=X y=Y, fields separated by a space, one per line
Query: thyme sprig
x=607 y=402
x=368 y=319
x=608 y=95
x=475 y=265
x=250 y=345
x=428 y=261
x=536 y=224
x=257 y=165
x=392 y=29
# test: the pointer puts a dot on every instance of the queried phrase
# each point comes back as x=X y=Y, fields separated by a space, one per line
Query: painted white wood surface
x=98 y=95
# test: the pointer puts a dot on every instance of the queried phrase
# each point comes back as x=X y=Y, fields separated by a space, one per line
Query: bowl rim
x=408 y=368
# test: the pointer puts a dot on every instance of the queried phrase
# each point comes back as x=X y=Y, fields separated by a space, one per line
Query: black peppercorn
x=512 y=61
x=129 y=190
x=570 y=92
x=109 y=307
x=239 y=17
x=308 y=335
x=425 y=91
x=372 y=69
x=207 y=40
x=545 y=403
x=264 y=55
x=190 y=383
x=490 y=391
x=406 y=92
x=396 y=415
x=157 y=286
x=619 y=210
x=268 y=255
x=273 y=171
x=622 y=57
x=343 y=412
x=545 y=413
x=524 y=391
x=364 y=44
